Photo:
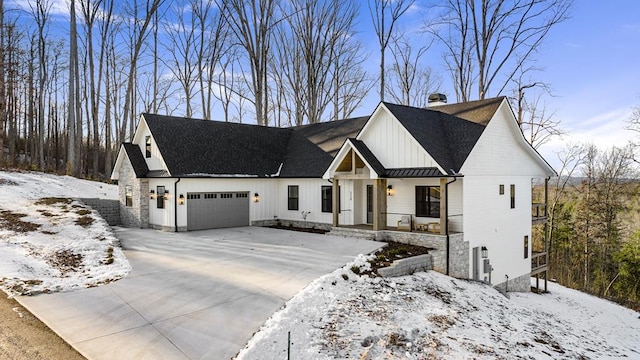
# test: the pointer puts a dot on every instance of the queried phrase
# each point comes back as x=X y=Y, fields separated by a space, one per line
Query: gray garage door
x=217 y=210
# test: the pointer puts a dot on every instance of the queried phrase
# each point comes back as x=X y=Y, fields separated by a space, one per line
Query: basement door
x=212 y=210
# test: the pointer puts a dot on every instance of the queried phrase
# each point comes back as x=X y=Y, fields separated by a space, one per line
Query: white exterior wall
x=501 y=156
x=265 y=209
x=392 y=144
x=155 y=162
x=501 y=150
x=489 y=221
x=272 y=204
x=310 y=199
x=403 y=201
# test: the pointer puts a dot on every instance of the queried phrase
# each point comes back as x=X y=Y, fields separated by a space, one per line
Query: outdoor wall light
x=390 y=190
x=256 y=197
x=485 y=252
x=152 y=194
x=181 y=199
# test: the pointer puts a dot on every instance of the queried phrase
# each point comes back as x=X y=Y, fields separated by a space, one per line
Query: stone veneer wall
x=292 y=223
x=136 y=215
x=459 y=255
x=108 y=209
x=520 y=284
x=408 y=266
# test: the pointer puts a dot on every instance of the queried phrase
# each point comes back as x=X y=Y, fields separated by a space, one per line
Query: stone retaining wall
x=520 y=284
x=459 y=256
x=408 y=266
x=292 y=223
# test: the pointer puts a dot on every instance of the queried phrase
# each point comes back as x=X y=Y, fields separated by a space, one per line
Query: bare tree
x=211 y=47
x=385 y=14
x=72 y=114
x=252 y=23
x=351 y=83
x=181 y=47
x=40 y=11
x=409 y=82
x=488 y=41
x=3 y=79
x=140 y=32
x=538 y=125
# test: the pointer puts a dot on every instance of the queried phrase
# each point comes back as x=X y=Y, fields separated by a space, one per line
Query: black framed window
x=501 y=189
x=160 y=197
x=292 y=197
x=147 y=146
x=327 y=198
x=128 y=196
x=428 y=201
x=512 y=189
x=526 y=246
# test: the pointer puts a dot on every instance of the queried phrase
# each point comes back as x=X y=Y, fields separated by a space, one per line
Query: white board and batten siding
x=310 y=200
x=392 y=144
x=272 y=204
x=403 y=202
x=155 y=162
x=501 y=157
x=262 y=210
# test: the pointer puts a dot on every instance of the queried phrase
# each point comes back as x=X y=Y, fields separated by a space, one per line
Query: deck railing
x=538 y=262
x=538 y=212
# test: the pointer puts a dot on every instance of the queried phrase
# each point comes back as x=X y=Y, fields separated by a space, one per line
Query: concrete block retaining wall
x=109 y=210
x=408 y=266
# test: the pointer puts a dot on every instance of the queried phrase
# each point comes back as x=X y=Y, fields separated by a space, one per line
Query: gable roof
x=479 y=111
x=368 y=156
x=134 y=154
x=204 y=148
x=447 y=138
x=193 y=147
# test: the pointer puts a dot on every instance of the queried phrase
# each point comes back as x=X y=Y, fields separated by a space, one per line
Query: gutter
x=175 y=204
x=446 y=223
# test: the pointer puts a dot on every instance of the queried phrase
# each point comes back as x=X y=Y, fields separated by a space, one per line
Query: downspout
x=175 y=204
x=446 y=216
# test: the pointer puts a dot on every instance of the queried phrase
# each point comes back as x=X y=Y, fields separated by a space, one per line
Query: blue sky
x=592 y=63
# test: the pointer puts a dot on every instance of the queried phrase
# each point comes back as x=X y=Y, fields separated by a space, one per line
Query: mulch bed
x=294 y=228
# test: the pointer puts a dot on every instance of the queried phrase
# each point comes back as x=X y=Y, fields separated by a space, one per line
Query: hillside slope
x=432 y=316
x=49 y=242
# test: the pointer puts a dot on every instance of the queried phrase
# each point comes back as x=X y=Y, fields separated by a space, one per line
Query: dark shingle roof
x=192 y=147
x=138 y=163
x=329 y=136
x=371 y=159
x=448 y=139
x=480 y=111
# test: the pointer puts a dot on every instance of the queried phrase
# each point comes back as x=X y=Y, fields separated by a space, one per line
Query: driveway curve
x=192 y=295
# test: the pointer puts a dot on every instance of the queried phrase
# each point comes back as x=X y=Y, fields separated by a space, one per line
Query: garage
x=211 y=210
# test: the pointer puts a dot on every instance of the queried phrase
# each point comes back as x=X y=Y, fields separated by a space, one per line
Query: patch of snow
x=59 y=254
x=432 y=316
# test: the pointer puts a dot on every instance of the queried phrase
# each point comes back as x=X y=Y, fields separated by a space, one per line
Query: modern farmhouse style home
x=453 y=177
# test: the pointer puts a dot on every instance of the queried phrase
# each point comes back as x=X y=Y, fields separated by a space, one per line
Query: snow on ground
x=54 y=244
x=432 y=316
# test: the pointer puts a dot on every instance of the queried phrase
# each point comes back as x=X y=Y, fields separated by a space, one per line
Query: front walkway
x=192 y=295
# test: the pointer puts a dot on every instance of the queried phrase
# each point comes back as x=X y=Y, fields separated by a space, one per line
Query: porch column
x=335 y=194
x=443 y=206
x=379 y=204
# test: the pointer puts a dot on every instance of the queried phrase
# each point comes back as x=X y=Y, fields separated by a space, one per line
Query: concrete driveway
x=195 y=295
